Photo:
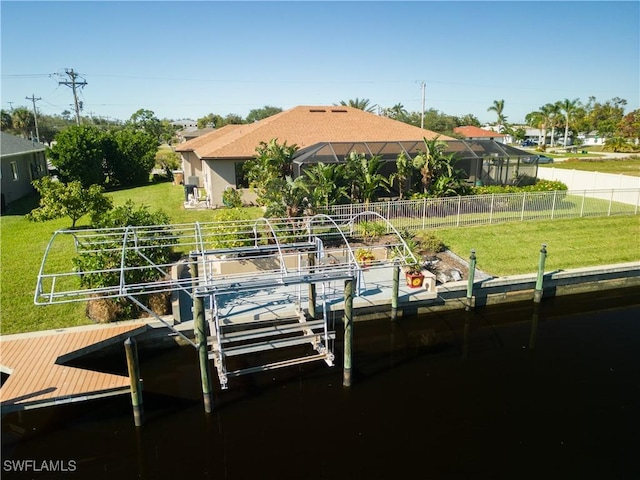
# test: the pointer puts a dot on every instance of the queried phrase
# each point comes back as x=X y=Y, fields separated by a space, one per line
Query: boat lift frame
x=279 y=243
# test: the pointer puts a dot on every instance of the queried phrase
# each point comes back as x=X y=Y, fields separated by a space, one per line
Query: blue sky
x=187 y=59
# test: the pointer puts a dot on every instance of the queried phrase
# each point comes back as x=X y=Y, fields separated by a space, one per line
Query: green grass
x=501 y=249
x=624 y=166
x=513 y=248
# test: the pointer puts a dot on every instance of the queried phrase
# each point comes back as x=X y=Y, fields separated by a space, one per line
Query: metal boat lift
x=226 y=259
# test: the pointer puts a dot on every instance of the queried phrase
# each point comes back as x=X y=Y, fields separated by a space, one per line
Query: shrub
x=231 y=198
x=58 y=200
x=429 y=242
x=539 y=186
x=151 y=247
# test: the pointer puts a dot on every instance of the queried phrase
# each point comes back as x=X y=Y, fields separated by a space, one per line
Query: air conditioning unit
x=193 y=181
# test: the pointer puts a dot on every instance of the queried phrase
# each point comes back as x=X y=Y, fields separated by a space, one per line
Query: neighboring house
x=471 y=132
x=22 y=161
x=591 y=138
x=191 y=133
x=185 y=124
x=214 y=161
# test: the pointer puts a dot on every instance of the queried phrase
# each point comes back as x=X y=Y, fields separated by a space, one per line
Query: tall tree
x=146 y=120
x=23 y=121
x=397 y=112
x=129 y=156
x=6 y=123
x=323 y=184
x=260 y=113
x=498 y=107
x=555 y=115
x=568 y=108
x=211 y=120
x=629 y=126
x=78 y=154
x=360 y=104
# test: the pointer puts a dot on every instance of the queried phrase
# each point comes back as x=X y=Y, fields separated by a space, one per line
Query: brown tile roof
x=475 y=132
x=304 y=126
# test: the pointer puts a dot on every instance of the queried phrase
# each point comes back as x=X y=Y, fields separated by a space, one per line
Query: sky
x=188 y=59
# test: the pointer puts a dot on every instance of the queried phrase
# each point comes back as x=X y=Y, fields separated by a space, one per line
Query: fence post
x=491 y=209
x=537 y=294
x=610 y=202
x=424 y=212
x=458 y=217
x=553 y=206
x=199 y=330
x=524 y=197
x=584 y=196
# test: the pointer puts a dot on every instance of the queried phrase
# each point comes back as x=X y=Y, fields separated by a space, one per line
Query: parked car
x=544 y=159
x=529 y=143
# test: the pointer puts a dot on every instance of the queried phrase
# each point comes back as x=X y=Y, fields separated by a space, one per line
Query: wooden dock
x=38 y=376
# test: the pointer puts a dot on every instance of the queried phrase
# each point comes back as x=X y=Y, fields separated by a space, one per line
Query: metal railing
x=428 y=213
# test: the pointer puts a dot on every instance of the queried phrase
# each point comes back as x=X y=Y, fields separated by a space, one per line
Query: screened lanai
x=486 y=162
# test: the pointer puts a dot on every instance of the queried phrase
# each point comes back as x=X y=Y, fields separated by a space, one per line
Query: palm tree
x=546 y=113
x=322 y=184
x=22 y=120
x=360 y=104
x=569 y=108
x=397 y=111
x=535 y=120
x=554 y=119
x=364 y=176
x=498 y=107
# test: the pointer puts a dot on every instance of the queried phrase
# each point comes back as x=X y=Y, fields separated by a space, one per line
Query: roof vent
x=338 y=110
x=317 y=110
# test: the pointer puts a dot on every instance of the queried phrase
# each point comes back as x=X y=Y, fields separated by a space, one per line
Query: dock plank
x=38 y=378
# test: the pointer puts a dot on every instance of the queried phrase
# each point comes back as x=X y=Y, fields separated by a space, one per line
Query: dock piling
x=348 y=331
x=472 y=272
x=537 y=294
x=200 y=332
x=394 y=292
x=133 y=367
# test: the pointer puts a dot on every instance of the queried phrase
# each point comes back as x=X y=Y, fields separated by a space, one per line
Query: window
x=14 y=171
x=241 y=179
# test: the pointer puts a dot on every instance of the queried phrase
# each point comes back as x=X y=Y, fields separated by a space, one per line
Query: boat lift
x=226 y=260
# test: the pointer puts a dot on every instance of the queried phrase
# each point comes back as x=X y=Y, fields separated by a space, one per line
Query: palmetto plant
x=323 y=184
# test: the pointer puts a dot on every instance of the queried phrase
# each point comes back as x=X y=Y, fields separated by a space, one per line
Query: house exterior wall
x=192 y=167
x=222 y=175
x=18 y=171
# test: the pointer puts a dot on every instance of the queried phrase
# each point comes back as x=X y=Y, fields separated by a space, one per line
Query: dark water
x=504 y=392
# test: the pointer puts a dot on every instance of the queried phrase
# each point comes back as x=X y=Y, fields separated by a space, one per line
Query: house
x=471 y=132
x=214 y=161
x=591 y=139
x=22 y=161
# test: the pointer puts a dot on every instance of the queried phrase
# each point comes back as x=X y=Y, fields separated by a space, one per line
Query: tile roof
x=475 y=132
x=12 y=145
x=304 y=126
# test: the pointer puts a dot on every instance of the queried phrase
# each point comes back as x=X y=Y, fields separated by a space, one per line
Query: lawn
x=501 y=249
x=624 y=166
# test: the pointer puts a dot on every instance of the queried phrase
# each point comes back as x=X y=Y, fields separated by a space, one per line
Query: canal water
x=509 y=392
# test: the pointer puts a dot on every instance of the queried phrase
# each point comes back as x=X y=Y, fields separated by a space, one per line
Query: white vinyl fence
x=581 y=180
x=496 y=208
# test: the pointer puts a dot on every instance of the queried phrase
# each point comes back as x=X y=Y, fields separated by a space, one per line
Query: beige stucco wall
x=192 y=167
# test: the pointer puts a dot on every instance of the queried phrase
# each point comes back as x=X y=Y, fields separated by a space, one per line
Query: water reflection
x=522 y=391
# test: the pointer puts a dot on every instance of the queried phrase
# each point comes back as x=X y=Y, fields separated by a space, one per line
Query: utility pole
x=35 y=114
x=74 y=84
x=10 y=106
x=422 y=85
